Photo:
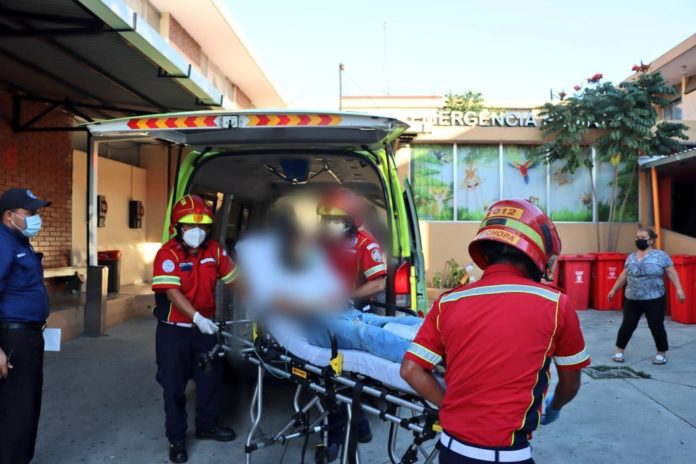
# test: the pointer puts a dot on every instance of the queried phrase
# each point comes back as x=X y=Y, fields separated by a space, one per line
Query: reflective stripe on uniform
x=375 y=269
x=572 y=360
x=497 y=289
x=231 y=276
x=166 y=280
x=424 y=354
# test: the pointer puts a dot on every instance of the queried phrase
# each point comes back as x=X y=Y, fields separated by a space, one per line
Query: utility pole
x=340 y=86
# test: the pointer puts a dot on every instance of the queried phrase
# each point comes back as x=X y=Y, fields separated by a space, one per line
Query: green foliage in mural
x=432 y=184
x=568 y=215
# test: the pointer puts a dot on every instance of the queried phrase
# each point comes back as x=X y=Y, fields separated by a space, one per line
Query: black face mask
x=642 y=244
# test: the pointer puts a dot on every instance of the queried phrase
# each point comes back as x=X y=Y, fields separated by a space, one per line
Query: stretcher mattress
x=290 y=336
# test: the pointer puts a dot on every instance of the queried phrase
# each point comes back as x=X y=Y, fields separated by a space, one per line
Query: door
x=418 y=263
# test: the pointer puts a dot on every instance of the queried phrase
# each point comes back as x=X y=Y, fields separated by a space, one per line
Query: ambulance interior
x=243 y=188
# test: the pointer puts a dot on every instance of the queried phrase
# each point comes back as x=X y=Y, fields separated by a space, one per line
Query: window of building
x=478 y=180
x=627 y=181
x=673 y=111
x=432 y=171
x=458 y=182
x=524 y=178
x=571 y=194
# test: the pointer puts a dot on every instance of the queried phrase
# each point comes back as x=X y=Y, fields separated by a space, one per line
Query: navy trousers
x=178 y=350
x=20 y=394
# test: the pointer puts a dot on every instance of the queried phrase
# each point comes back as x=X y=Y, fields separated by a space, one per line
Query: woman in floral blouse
x=645 y=293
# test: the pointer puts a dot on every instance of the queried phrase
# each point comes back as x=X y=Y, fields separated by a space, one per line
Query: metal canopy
x=676 y=160
x=94 y=59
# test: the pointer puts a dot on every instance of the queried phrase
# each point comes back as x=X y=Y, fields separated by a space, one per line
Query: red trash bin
x=575 y=279
x=112 y=260
x=606 y=270
x=685 y=313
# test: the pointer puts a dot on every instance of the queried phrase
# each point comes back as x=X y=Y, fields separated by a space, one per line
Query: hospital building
x=458 y=163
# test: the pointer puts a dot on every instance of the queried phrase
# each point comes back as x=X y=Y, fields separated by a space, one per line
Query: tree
x=624 y=119
x=468 y=101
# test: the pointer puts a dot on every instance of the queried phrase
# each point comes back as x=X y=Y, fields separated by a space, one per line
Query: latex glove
x=550 y=415
x=204 y=324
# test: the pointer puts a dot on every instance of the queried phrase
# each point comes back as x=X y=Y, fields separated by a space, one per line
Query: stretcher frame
x=329 y=388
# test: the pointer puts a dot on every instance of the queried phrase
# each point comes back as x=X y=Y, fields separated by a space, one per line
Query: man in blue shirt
x=23 y=313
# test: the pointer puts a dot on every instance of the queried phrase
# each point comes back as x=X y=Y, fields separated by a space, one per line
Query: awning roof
x=678 y=160
x=97 y=59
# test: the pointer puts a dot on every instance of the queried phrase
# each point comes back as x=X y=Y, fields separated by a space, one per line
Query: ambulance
x=244 y=162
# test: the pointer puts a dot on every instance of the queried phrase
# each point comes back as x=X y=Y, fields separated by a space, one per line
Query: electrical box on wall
x=136 y=211
x=102 y=210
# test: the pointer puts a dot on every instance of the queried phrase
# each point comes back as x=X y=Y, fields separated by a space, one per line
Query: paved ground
x=102 y=404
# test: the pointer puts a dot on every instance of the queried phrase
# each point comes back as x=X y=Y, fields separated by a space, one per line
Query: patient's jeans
x=355 y=330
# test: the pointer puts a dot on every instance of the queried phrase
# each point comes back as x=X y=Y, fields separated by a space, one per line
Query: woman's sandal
x=659 y=360
x=618 y=358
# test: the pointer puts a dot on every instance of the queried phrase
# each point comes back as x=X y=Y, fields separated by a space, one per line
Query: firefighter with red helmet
x=498 y=337
x=358 y=259
x=186 y=270
x=354 y=252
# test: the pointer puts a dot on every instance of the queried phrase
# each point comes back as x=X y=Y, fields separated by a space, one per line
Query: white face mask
x=336 y=229
x=194 y=237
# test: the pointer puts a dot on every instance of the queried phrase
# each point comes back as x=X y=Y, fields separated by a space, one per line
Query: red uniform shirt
x=195 y=275
x=497 y=338
x=358 y=259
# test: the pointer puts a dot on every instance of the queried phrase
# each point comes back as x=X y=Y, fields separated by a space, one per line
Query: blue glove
x=550 y=414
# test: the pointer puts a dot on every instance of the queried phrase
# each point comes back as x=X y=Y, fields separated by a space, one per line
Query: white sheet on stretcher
x=292 y=339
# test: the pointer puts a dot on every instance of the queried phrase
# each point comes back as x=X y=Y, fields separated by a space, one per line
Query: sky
x=511 y=51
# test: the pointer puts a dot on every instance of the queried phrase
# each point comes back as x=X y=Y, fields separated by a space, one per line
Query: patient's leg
x=356 y=335
x=381 y=321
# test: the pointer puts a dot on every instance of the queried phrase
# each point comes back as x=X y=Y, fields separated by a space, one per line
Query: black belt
x=22 y=325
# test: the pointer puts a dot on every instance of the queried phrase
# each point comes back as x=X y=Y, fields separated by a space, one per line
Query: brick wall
x=184 y=42
x=41 y=161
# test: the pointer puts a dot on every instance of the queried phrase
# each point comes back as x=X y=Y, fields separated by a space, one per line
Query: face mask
x=32 y=225
x=642 y=244
x=336 y=229
x=194 y=237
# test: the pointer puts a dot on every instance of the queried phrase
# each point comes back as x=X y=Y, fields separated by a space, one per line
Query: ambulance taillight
x=402 y=285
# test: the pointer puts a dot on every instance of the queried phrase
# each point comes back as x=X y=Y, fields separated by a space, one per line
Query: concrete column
x=95 y=308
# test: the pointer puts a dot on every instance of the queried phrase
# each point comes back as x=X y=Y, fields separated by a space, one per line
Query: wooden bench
x=72 y=276
x=68 y=271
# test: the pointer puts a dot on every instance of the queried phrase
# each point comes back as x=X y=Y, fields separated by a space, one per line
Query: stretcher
x=326 y=380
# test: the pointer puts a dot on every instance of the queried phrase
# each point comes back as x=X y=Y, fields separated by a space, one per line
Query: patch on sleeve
x=376 y=255
x=168 y=266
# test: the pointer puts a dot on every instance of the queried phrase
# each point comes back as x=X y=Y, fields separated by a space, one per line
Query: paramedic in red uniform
x=358 y=259
x=186 y=270
x=498 y=337
x=354 y=253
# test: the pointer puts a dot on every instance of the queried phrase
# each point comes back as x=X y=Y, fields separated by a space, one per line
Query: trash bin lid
x=609 y=256
x=109 y=255
x=576 y=257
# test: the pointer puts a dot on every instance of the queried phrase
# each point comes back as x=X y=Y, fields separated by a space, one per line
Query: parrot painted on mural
x=524 y=168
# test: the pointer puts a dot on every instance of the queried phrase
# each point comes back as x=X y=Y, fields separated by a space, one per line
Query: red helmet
x=522 y=225
x=191 y=209
x=341 y=202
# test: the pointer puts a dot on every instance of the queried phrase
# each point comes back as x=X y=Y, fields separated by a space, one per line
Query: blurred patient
x=285 y=271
